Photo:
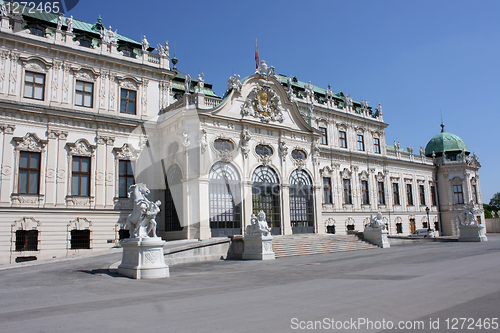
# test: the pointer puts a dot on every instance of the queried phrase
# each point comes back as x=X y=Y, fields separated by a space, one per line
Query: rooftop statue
x=163 y=50
x=201 y=83
x=142 y=221
x=3 y=10
x=234 y=83
x=108 y=36
x=187 y=83
x=59 y=22
x=145 y=43
x=258 y=227
x=69 y=23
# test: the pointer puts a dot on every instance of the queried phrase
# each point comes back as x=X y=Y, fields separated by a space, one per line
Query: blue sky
x=416 y=58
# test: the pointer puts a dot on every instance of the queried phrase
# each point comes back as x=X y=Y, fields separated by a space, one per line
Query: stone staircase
x=305 y=244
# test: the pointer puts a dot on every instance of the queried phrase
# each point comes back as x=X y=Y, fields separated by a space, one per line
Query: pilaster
x=7 y=163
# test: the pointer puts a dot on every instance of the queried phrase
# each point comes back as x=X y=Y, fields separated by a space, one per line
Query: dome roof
x=445 y=142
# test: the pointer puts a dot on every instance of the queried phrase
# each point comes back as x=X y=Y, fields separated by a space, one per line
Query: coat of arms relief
x=263 y=103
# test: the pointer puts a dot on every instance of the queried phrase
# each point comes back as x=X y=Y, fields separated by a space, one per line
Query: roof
x=445 y=142
x=78 y=26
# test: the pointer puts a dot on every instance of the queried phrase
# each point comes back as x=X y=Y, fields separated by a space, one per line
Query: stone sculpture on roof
x=108 y=36
x=187 y=83
x=69 y=23
x=201 y=82
x=59 y=22
x=3 y=10
x=145 y=43
x=163 y=50
x=234 y=83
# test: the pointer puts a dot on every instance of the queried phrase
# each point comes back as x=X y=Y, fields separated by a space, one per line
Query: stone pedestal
x=472 y=233
x=143 y=258
x=258 y=247
x=377 y=236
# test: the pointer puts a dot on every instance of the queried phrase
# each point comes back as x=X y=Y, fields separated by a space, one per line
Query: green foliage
x=495 y=202
x=487 y=214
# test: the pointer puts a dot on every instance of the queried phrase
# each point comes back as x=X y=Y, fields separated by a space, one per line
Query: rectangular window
x=324 y=138
x=81 y=176
x=34 y=85
x=364 y=193
x=84 y=92
x=327 y=190
x=381 y=193
x=409 y=194
x=361 y=142
x=342 y=139
x=29 y=173
x=128 y=101
x=433 y=195
x=125 y=177
x=395 y=193
x=421 y=192
x=26 y=240
x=376 y=145
x=80 y=239
x=347 y=192
x=458 y=193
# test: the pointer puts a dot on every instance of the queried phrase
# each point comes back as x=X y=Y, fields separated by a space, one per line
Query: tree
x=495 y=202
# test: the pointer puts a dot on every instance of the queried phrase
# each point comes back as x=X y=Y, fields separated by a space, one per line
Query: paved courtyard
x=406 y=285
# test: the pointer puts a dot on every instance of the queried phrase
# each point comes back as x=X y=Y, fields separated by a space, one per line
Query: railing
x=153 y=58
x=212 y=102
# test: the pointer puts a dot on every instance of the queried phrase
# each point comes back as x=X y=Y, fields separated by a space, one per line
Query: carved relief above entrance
x=263 y=103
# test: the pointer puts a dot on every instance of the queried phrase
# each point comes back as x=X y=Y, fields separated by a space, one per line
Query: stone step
x=307 y=244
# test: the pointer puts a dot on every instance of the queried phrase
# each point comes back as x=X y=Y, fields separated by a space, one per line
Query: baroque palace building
x=86 y=112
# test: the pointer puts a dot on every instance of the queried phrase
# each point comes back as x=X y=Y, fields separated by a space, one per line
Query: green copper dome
x=445 y=142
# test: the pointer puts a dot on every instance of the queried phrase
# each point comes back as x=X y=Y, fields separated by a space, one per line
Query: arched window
x=224 y=200
x=301 y=202
x=173 y=199
x=223 y=144
x=299 y=154
x=263 y=150
x=266 y=196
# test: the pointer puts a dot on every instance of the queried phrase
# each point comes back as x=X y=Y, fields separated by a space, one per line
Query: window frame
x=381 y=193
x=29 y=169
x=395 y=194
x=433 y=195
x=80 y=174
x=327 y=190
x=343 y=139
x=34 y=85
x=376 y=146
x=84 y=93
x=421 y=192
x=296 y=154
x=409 y=194
x=126 y=176
x=458 y=196
x=324 y=137
x=128 y=100
x=347 y=191
x=223 y=142
x=365 y=194
x=360 y=143
x=262 y=148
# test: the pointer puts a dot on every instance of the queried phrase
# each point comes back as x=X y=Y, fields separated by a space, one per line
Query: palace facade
x=86 y=112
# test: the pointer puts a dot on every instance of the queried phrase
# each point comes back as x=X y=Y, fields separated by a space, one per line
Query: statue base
x=376 y=236
x=472 y=233
x=143 y=258
x=258 y=247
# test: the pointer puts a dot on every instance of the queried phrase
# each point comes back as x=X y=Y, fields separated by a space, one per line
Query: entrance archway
x=301 y=203
x=224 y=200
x=266 y=196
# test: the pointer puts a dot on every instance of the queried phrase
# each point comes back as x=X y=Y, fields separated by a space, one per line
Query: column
x=110 y=174
x=286 y=227
x=100 y=169
x=7 y=163
x=50 y=175
x=61 y=171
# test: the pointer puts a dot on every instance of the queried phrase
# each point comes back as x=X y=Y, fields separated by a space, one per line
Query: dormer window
x=223 y=145
x=37 y=31
x=127 y=51
x=263 y=150
x=84 y=42
x=299 y=154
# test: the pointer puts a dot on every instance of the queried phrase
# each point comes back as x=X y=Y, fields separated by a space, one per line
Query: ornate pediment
x=81 y=148
x=30 y=142
x=346 y=174
x=126 y=152
x=263 y=103
x=363 y=175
